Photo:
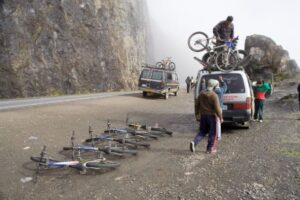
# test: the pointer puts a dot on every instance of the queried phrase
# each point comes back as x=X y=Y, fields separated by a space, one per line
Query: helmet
x=229 y=19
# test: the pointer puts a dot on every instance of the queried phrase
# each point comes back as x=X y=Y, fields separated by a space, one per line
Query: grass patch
x=290 y=152
x=55 y=92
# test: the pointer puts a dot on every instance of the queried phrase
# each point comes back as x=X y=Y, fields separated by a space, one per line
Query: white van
x=238 y=100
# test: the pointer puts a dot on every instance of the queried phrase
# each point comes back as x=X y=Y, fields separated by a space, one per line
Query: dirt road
x=262 y=162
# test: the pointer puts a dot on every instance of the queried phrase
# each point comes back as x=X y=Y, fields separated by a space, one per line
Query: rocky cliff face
x=50 y=47
x=266 y=53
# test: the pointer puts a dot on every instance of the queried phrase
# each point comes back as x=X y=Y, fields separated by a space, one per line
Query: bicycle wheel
x=135 y=143
x=172 y=66
x=198 y=41
x=163 y=130
x=226 y=61
x=240 y=55
x=125 y=151
x=44 y=160
x=102 y=165
x=159 y=65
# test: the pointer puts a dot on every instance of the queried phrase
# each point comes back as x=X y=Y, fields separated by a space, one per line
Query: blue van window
x=157 y=75
x=235 y=83
x=146 y=73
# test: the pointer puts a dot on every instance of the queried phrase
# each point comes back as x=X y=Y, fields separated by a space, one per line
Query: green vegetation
x=55 y=92
x=281 y=76
x=291 y=152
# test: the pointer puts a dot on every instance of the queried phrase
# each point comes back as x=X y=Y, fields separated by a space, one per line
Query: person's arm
x=223 y=85
x=197 y=106
x=232 y=32
x=266 y=87
x=216 y=30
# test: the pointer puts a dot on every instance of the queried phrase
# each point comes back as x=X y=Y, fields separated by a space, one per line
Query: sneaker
x=213 y=151
x=261 y=121
x=192 y=146
x=255 y=120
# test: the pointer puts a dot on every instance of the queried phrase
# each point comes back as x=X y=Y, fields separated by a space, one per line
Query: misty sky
x=172 y=21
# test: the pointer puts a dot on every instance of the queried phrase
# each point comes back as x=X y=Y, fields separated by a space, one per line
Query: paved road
x=21 y=103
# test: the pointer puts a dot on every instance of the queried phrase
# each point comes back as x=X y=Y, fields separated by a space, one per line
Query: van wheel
x=166 y=95
x=176 y=93
x=144 y=94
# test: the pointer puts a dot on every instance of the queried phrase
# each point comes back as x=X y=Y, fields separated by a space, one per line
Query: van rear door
x=157 y=78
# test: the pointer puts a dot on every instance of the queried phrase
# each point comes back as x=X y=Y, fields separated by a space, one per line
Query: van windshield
x=157 y=75
x=235 y=83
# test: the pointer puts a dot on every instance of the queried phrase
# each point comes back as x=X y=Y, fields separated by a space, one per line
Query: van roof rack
x=238 y=66
x=155 y=67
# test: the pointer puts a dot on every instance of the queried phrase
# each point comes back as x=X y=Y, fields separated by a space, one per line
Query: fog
x=172 y=21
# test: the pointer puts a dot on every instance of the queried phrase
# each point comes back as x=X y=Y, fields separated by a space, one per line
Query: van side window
x=146 y=73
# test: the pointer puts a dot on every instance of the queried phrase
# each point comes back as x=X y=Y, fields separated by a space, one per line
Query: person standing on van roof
x=224 y=30
x=299 y=94
x=188 y=84
x=260 y=91
x=207 y=111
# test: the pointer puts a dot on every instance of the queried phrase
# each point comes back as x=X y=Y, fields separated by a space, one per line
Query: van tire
x=166 y=96
x=176 y=93
x=144 y=94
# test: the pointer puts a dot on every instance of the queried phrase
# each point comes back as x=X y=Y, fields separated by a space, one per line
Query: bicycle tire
x=68 y=148
x=221 y=63
x=172 y=66
x=195 y=35
x=146 y=145
x=163 y=130
x=240 y=54
x=125 y=151
x=128 y=141
x=159 y=65
x=103 y=165
x=206 y=56
x=38 y=159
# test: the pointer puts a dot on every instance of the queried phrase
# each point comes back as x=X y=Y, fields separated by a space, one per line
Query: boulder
x=266 y=53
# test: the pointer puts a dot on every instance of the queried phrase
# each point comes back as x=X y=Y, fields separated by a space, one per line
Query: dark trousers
x=259 y=109
x=188 y=87
x=207 y=125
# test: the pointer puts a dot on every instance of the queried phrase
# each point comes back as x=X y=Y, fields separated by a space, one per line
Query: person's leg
x=201 y=134
x=203 y=129
x=212 y=137
x=256 y=107
x=218 y=127
x=261 y=109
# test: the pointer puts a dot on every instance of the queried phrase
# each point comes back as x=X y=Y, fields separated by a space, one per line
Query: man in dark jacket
x=188 y=84
x=224 y=31
x=208 y=109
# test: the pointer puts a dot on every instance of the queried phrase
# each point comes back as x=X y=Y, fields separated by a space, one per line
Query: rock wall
x=52 y=47
x=266 y=53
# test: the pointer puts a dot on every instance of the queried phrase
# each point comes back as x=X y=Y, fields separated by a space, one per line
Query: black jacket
x=223 y=31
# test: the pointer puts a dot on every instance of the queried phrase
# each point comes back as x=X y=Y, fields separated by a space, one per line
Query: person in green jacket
x=260 y=91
